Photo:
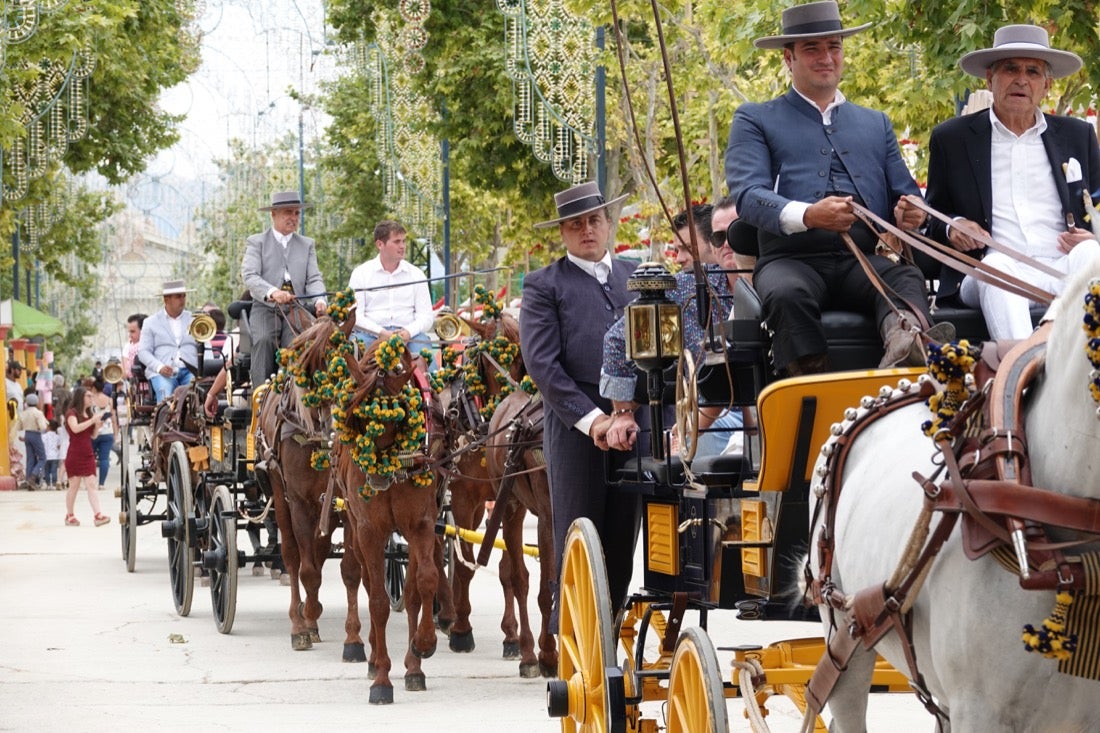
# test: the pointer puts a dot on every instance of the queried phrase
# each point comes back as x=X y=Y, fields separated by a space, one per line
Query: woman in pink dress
x=81 y=422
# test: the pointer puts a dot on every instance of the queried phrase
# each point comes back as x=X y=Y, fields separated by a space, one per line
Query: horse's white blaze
x=968 y=616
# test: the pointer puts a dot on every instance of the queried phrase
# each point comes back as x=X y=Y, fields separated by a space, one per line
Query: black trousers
x=795 y=288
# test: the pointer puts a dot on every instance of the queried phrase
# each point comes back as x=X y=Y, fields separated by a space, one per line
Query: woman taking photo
x=107 y=432
x=81 y=422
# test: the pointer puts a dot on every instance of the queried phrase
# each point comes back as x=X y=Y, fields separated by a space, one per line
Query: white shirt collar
x=1038 y=128
x=283 y=239
x=827 y=113
x=590 y=267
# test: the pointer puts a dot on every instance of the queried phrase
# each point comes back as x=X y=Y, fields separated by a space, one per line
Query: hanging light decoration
x=551 y=57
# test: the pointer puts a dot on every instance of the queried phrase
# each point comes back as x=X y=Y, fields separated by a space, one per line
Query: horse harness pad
x=987 y=483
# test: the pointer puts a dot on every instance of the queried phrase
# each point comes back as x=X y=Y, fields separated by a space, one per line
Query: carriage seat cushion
x=648 y=471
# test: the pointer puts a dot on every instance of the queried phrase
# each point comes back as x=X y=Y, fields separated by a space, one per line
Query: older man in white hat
x=568 y=307
x=166 y=347
x=279 y=268
x=1011 y=171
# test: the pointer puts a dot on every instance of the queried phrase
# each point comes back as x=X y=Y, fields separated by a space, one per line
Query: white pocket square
x=1072 y=169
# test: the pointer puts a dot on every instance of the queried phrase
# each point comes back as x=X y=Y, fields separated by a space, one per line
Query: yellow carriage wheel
x=696 y=701
x=588 y=694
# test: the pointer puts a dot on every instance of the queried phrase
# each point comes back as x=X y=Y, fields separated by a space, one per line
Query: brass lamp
x=653 y=330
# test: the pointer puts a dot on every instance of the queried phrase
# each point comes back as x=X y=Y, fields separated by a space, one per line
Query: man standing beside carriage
x=568 y=306
x=796 y=165
x=1011 y=171
x=279 y=269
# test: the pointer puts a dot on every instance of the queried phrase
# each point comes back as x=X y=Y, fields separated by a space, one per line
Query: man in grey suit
x=279 y=267
x=165 y=346
x=567 y=308
x=795 y=165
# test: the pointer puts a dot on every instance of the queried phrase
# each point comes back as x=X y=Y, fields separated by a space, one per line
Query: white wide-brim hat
x=1021 y=42
x=811 y=20
x=174 y=287
x=578 y=201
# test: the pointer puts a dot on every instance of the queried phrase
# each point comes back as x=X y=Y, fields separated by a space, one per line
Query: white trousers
x=1006 y=315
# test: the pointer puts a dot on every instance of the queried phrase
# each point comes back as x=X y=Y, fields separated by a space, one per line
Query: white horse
x=967 y=618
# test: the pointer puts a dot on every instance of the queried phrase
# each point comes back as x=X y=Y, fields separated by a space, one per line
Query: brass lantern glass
x=653 y=322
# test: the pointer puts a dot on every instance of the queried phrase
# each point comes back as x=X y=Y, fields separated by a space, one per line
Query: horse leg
x=299 y=635
x=548 y=570
x=445 y=600
x=420 y=588
x=351 y=572
x=513 y=538
x=371 y=540
x=464 y=504
x=313 y=554
x=848 y=702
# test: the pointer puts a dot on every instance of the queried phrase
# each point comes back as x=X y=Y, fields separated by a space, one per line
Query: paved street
x=88 y=647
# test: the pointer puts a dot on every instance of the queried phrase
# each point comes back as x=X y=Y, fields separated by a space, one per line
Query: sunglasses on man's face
x=718 y=239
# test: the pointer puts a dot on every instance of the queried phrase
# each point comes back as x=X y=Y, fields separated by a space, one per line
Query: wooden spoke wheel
x=176 y=529
x=589 y=692
x=696 y=702
x=687 y=406
x=397 y=562
x=128 y=513
x=221 y=559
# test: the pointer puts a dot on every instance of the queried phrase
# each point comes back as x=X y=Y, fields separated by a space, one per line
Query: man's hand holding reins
x=1070 y=239
x=961 y=235
x=834 y=213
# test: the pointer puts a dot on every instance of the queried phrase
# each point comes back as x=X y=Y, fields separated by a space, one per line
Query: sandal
x=101 y=519
x=72 y=521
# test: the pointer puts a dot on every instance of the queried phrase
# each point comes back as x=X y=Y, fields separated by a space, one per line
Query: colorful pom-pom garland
x=1051 y=638
x=1091 y=325
x=952 y=365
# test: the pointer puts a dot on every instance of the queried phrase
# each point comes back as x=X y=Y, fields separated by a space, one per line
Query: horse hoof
x=355 y=652
x=529 y=670
x=284 y=579
x=427 y=653
x=315 y=636
x=257 y=570
x=444 y=625
x=462 y=642
x=381 y=695
x=511 y=650
x=300 y=642
x=547 y=671
x=415 y=682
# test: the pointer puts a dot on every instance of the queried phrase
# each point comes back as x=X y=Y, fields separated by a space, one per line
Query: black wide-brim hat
x=578 y=201
x=812 y=20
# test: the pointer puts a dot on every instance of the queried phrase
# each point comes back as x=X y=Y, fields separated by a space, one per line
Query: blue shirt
x=618 y=375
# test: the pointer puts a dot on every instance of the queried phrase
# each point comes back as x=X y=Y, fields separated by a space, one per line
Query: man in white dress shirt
x=391 y=294
x=166 y=348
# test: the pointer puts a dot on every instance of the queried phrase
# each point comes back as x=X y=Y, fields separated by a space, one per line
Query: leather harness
x=985 y=479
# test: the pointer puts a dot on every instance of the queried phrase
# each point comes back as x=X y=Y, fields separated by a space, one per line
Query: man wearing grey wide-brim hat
x=568 y=307
x=279 y=269
x=796 y=165
x=1014 y=172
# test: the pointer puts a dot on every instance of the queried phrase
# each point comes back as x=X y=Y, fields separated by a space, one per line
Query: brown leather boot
x=901 y=340
x=810 y=364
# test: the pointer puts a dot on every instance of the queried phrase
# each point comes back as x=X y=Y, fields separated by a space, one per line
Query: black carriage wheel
x=221 y=559
x=181 y=553
x=397 y=561
x=128 y=516
x=449 y=548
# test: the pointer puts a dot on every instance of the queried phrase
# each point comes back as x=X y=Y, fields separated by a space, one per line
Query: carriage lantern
x=653 y=331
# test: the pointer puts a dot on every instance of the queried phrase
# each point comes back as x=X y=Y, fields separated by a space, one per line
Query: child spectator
x=51 y=441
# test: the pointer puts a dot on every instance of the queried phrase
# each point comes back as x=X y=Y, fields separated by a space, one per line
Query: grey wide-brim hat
x=812 y=20
x=174 y=287
x=578 y=201
x=286 y=200
x=1021 y=42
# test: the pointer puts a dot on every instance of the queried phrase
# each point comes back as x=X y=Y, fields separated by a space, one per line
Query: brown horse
x=391 y=501
x=288 y=434
x=473 y=481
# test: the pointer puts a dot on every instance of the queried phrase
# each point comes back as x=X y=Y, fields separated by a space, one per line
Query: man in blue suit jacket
x=983 y=166
x=795 y=165
x=166 y=347
x=567 y=308
x=279 y=267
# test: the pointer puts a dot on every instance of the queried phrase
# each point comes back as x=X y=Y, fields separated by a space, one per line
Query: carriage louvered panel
x=663 y=550
x=217 y=448
x=754 y=514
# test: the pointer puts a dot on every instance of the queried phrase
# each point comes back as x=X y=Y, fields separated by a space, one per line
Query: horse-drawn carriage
x=202 y=466
x=731 y=532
